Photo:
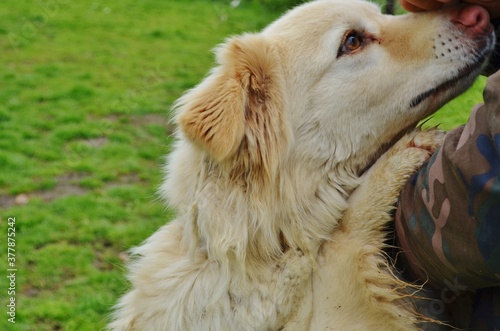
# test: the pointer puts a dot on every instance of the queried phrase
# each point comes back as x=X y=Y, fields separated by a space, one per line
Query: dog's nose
x=474 y=18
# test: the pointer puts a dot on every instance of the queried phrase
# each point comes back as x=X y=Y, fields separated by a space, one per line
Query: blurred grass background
x=85 y=91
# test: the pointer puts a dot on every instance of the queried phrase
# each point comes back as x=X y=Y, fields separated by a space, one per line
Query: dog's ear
x=239 y=94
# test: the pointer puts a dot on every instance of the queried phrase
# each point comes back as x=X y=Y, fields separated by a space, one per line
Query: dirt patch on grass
x=30 y=291
x=67 y=184
x=146 y=119
x=149 y=119
x=96 y=142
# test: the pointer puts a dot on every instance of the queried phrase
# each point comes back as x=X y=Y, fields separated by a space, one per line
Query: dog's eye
x=351 y=42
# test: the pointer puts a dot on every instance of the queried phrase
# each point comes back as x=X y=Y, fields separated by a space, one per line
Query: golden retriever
x=271 y=146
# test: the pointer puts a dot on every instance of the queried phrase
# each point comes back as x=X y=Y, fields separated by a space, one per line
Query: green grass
x=85 y=89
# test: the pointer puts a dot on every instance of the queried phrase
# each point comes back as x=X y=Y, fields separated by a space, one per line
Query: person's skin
x=493 y=6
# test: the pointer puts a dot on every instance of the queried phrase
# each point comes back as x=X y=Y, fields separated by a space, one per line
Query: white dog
x=271 y=145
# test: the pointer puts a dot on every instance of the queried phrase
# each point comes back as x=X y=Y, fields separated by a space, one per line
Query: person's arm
x=442 y=217
x=448 y=220
x=448 y=217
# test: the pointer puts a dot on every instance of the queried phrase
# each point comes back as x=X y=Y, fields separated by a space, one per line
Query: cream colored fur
x=271 y=145
x=354 y=286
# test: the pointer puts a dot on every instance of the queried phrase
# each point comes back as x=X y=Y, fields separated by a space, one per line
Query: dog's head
x=335 y=69
x=314 y=97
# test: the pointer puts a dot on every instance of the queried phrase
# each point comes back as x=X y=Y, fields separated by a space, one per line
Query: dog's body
x=271 y=145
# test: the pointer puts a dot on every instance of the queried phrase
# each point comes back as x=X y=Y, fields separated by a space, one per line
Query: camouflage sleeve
x=448 y=217
x=448 y=220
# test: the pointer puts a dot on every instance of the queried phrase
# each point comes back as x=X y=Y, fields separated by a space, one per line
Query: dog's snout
x=470 y=32
x=474 y=18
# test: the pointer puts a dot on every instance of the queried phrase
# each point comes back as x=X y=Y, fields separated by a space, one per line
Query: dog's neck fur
x=232 y=209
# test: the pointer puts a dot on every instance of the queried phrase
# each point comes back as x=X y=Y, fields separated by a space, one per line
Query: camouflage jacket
x=448 y=221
